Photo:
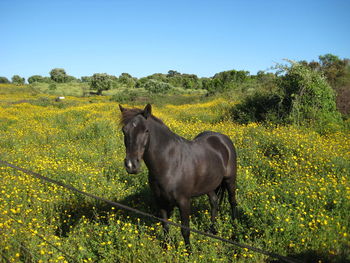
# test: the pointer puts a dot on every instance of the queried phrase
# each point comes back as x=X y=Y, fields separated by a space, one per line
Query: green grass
x=293 y=186
x=63 y=89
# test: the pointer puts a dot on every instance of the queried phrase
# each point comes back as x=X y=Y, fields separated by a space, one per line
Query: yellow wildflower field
x=293 y=186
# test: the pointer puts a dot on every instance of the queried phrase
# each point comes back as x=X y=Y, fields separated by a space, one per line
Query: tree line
x=334 y=70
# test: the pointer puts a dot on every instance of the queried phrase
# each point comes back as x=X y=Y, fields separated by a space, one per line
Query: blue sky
x=146 y=37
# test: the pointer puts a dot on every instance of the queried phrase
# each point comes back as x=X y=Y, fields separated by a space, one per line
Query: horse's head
x=136 y=136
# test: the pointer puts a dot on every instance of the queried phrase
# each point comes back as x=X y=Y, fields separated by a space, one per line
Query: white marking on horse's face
x=134 y=124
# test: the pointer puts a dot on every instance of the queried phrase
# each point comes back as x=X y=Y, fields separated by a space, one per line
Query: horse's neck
x=160 y=138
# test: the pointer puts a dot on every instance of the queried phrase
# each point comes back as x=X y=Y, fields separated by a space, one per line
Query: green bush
x=307 y=96
x=302 y=96
x=18 y=80
x=52 y=86
x=259 y=107
x=155 y=86
x=125 y=96
x=4 y=80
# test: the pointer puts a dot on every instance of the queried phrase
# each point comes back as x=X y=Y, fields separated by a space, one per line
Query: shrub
x=4 y=80
x=35 y=78
x=52 y=86
x=155 y=86
x=307 y=96
x=86 y=79
x=259 y=107
x=18 y=80
x=302 y=96
x=125 y=96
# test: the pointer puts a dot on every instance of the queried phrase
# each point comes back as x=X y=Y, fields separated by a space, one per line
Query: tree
x=328 y=60
x=172 y=73
x=102 y=81
x=58 y=75
x=125 y=75
x=18 y=80
x=127 y=80
x=86 y=79
x=333 y=68
x=235 y=76
x=4 y=80
x=226 y=80
x=35 y=78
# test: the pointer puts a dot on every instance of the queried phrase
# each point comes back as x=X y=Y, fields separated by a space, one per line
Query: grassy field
x=293 y=196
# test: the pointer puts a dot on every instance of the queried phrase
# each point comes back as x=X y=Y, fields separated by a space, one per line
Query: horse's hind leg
x=185 y=209
x=230 y=185
x=214 y=203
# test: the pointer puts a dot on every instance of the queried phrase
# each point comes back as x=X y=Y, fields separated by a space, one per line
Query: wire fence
x=139 y=212
x=43 y=239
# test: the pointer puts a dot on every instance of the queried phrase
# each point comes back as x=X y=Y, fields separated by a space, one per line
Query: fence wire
x=68 y=257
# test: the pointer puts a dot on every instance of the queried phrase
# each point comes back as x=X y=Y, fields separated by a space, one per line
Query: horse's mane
x=129 y=114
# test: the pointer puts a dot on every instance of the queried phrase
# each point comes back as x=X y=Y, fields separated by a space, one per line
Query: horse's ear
x=121 y=108
x=147 y=111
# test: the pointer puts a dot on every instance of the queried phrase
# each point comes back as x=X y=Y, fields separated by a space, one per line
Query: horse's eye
x=146 y=131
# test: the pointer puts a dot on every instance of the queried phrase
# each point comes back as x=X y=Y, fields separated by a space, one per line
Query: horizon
x=144 y=38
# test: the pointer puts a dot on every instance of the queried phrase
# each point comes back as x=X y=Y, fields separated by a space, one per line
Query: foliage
x=127 y=95
x=302 y=96
x=18 y=80
x=127 y=80
x=86 y=79
x=102 y=81
x=267 y=81
x=259 y=107
x=52 y=86
x=4 y=80
x=307 y=96
x=293 y=187
x=174 y=79
x=35 y=78
x=337 y=73
x=333 y=68
x=39 y=79
x=155 y=86
x=226 y=80
x=59 y=75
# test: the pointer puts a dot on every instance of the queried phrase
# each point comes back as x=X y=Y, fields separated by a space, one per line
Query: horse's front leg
x=185 y=209
x=165 y=213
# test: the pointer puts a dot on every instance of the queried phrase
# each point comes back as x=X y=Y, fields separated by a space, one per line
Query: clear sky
x=145 y=37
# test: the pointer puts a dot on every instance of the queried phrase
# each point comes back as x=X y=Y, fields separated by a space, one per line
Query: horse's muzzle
x=132 y=166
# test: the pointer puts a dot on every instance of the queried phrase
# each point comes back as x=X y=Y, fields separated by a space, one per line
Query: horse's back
x=222 y=145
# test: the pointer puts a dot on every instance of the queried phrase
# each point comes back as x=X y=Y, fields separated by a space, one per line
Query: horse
x=179 y=169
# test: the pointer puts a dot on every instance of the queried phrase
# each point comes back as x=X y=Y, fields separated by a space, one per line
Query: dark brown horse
x=179 y=169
